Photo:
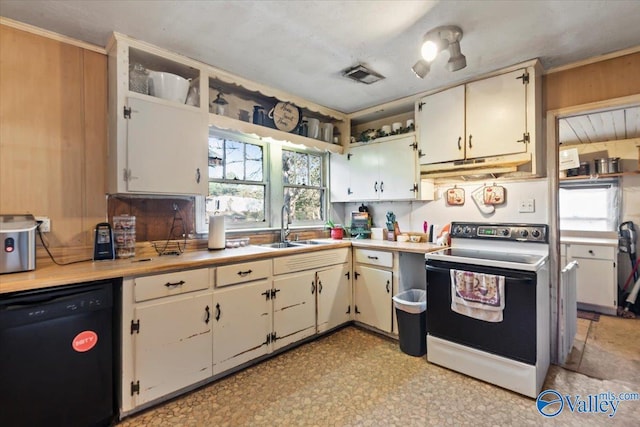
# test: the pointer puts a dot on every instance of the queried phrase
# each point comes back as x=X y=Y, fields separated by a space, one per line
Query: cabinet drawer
x=244 y=272
x=380 y=258
x=164 y=285
x=311 y=260
x=591 y=251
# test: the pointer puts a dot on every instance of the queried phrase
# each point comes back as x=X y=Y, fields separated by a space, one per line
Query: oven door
x=514 y=337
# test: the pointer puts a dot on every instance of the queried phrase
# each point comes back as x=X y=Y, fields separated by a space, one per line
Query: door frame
x=553 y=168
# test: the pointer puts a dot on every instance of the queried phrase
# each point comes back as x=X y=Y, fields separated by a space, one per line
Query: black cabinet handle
x=218 y=312
x=244 y=273
x=388 y=287
x=313 y=288
x=470 y=136
x=198 y=175
x=459 y=141
x=375 y=186
x=382 y=186
x=175 y=284
x=206 y=320
x=591 y=251
x=319 y=287
x=372 y=257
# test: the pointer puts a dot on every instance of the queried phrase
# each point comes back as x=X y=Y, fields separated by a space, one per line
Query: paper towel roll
x=216 y=232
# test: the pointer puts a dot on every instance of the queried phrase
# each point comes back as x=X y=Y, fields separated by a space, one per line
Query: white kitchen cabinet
x=155 y=145
x=373 y=288
x=597 y=277
x=377 y=171
x=327 y=274
x=294 y=308
x=485 y=118
x=166 y=149
x=242 y=323
x=167 y=339
x=333 y=289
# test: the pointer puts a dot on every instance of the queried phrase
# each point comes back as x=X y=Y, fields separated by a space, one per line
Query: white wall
x=411 y=215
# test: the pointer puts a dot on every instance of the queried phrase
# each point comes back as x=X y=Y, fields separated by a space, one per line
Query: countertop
x=51 y=275
x=598 y=238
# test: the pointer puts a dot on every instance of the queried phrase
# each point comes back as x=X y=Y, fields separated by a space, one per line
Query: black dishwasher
x=56 y=356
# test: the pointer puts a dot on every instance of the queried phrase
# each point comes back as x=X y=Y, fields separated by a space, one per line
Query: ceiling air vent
x=362 y=74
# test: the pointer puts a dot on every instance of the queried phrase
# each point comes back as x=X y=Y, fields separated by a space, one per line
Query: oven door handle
x=510 y=279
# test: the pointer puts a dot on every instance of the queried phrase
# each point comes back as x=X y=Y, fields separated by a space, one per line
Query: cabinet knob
x=590 y=251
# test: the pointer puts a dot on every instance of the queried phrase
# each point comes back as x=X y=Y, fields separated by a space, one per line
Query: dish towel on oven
x=477 y=295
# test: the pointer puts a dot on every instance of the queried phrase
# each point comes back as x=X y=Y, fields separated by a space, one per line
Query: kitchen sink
x=279 y=245
x=307 y=242
x=294 y=244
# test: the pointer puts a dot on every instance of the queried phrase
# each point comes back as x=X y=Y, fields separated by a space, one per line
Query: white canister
x=216 y=232
x=396 y=126
x=386 y=129
x=313 y=129
x=409 y=123
x=327 y=132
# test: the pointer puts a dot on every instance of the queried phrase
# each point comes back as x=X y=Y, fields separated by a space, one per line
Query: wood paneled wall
x=53 y=112
x=598 y=81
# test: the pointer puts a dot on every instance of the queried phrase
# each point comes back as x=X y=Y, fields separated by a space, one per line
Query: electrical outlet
x=45 y=227
x=527 y=205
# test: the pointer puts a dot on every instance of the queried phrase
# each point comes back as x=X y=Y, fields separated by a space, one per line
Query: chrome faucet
x=284 y=232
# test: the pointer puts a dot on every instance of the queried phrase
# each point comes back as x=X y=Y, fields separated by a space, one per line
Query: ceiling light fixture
x=435 y=41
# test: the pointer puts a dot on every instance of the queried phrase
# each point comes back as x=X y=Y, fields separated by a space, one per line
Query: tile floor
x=356 y=378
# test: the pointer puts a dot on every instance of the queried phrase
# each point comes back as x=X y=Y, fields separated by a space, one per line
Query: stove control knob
x=467 y=230
x=505 y=232
x=458 y=230
x=524 y=233
x=535 y=233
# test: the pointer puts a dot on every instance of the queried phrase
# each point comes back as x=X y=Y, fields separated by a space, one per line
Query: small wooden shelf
x=594 y=177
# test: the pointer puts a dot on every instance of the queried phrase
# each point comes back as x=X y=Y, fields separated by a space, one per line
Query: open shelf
x=592 y=177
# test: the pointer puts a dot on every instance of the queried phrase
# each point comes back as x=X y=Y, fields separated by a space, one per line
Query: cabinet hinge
x=414 y=146
x=274 y=337
x=355 y=275
x=127 y=112
x=349 y=156
x=420 y=106
x=274 y=292
x=420 y=153
x=348 y=310
x=126 y=173
x=135 y=326
x=348 y=274
x=267 y=340
x=356 y=310
x=524 y=77
x=267 y=294
x=415 y=188
x=349 y=192
x=525 y=138
x=135 y=387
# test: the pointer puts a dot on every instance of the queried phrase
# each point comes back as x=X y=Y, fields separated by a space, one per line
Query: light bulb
x=429 y=50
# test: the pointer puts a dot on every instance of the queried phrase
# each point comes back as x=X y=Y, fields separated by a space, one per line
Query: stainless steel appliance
x=57 y=356
x=511 y=350
x=18 y=240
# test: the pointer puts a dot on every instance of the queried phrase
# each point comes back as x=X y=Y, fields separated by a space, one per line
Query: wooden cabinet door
x=173 y=348
x=397 y=166
x=373 y=289
x=496 y=115
x=596 y=282
x=340 y=177
x=294 y=307
x=241 y=323
x=166 y=149
x=440 y=124
x=334 y=296
x=363 y=164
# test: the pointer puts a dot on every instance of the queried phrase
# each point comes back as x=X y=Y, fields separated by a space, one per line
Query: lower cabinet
x=597 y=277
x=242 y=323
x=294 y=308
x=333 y=296
x=373 y=288
x=167 y=334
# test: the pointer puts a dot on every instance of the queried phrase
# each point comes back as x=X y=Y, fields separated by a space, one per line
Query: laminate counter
x=50 y=275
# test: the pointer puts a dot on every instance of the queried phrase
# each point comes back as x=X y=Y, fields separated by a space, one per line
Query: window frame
x=323 y=185
x=614 y=208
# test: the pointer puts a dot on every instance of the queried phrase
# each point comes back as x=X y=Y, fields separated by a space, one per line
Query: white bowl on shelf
x=168 y=86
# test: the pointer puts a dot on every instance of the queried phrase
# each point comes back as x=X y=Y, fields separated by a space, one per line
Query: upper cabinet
x=489 y=122
x=377 y=171
x=158 y=128
x=161 y=105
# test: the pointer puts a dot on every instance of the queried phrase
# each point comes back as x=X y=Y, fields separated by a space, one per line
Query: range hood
x=476 y=168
